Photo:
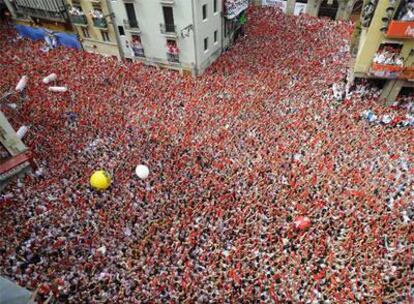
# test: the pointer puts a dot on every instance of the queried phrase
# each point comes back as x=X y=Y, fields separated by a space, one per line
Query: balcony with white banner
x=234 y=7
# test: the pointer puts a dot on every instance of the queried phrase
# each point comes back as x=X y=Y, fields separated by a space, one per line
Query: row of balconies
x=388 y=71
x=171 y=57
x=170 y=2
x=131 y=25
x=81 y=20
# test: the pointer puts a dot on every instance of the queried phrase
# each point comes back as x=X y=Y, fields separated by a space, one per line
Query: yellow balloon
x=100 y=180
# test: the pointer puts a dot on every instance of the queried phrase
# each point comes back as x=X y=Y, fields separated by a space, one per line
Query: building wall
x=118 y=8
x=205 y=29
x=369 y=42
x=95 y=43
x=20 y=16
x=9 y=138
x=187 y=14
x=313 y=6
x=150 y=16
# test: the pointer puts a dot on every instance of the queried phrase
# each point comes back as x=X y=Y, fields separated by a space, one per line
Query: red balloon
x=302 y=223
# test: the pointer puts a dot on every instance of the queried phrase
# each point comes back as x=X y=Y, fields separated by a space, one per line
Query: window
x=172 y=51
x=132 y=17
x=205 y=44
x=105 y=36
x=215 y=36
x=85 y=32
x=121 y=30
x=168 y=18
x=204 y=11
x=136 y=45
x=215 y=6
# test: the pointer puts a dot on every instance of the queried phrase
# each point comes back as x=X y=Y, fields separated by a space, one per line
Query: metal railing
x=43 y=14
x=138 y=52
x=100 y=22
x=166 y=28
x=173 y=57
x=76 y=19
x=131 y=24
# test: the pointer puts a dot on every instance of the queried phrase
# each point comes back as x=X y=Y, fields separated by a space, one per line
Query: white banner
x=235 y=7
x=277 y=3
x=299 y=7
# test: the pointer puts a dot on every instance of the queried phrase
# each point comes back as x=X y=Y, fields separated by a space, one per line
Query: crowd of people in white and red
x=236 y=157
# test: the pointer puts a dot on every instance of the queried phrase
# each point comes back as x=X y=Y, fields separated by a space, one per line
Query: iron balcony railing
x=79 y=19
x=138 y=52
x=43 y=14
x=100 y=22
x=131 y=25
x=173 y=57
x=166 y=28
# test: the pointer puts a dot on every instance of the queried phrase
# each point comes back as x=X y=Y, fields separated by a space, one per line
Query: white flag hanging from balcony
x=235 y=7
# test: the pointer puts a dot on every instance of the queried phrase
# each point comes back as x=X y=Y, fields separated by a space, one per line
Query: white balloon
x=50 y=78
x=58 y=89
x=21 y=84
x=142 y=171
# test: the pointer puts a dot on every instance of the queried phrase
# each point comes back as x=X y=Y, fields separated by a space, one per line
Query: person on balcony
x=173 y=51
x=137 y=48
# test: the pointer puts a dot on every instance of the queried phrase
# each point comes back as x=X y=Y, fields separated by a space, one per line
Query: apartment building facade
x=383 y=45
x=334 y=9
x=94 y=23
x=50 y=14
x=187 y=35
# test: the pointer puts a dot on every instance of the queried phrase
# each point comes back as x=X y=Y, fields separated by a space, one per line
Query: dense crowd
x=389 y=55
x=406 y=12
x=236 y=157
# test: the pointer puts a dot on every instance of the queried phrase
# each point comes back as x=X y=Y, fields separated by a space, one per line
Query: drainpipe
x=195 y=38
x=113 y=19
x=223 y=25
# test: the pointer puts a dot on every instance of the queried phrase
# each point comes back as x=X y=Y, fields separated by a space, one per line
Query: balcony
x=79 y=20
x=400 y=30
x=386 y=71
x=138 y=51
x=132 y=26
x=57 y=16
x=173 y=57
x=100 y=23
x=234 y=8
x=169 y=30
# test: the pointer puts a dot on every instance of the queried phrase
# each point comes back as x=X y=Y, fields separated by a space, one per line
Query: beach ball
x=302 y=223
x=142 y=171
x=100 y=180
